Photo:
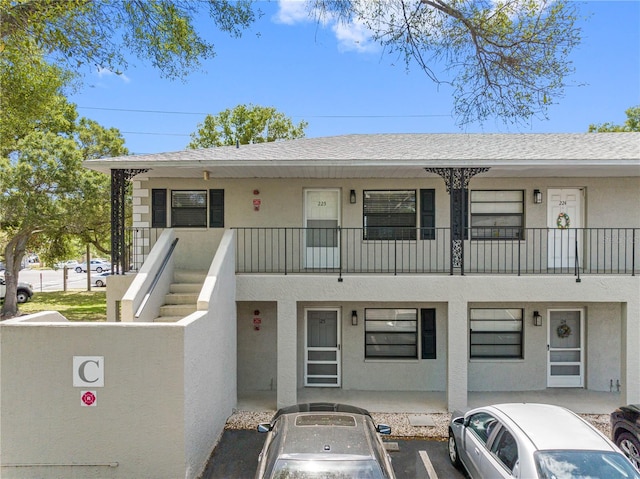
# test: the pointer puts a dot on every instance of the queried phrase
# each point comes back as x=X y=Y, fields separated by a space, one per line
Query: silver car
x=529 y=441
x=323 y=440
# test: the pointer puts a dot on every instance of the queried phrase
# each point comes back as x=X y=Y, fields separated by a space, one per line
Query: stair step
x=185 y=287
x=189 y=276
x=177 y=309
x=181 y=298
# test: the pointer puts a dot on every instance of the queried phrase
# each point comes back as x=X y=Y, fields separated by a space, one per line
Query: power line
x=165 y=112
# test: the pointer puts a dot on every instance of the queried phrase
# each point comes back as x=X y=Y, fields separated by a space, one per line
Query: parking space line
x=431 y=472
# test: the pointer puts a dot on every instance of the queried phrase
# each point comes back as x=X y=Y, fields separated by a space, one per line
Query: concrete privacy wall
x=168 y=390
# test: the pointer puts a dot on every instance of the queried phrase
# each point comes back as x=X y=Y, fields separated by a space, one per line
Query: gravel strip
x=399 y=422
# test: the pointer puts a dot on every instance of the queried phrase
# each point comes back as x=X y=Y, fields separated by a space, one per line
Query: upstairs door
x=321 y=234
x=564 y=218
x=322 y=348
x=565 y=349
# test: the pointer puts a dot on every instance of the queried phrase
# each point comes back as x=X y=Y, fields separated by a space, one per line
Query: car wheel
x=99 y=283
x=78 y=269
x=98 y=269
x=630 y=446
x=453 y=451
x=23 y=296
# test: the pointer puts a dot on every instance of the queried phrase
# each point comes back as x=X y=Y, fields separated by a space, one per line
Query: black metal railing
x=502 y=250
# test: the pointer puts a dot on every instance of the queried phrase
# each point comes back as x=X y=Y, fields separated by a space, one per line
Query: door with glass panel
x=321 y=234
x=322 y=348
x=564 y=217
x=565 y=348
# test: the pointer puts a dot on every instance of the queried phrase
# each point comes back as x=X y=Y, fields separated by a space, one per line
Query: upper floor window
x=497 y=214
x=389 y=215
x=188 y=208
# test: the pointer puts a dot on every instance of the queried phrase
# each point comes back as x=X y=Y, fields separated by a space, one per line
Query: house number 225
x=562 y=203
x=322 y=203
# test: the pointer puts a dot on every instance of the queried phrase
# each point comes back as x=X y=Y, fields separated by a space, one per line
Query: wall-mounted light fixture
x=206 y=175
x=354 y=318
x=352 y=197
x=537 y=196
x=537 y=319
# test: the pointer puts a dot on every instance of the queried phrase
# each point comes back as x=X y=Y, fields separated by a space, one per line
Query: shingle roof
x=426 y=147
x=399 y=155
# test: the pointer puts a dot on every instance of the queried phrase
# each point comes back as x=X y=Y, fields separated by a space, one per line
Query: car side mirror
x=264 y=427
x=383 y=429
x=459 y=420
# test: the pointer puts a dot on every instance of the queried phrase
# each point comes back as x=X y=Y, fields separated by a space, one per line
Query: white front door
x=322 y=348
x=564 y=215
x=565 y=349
x=322 y=219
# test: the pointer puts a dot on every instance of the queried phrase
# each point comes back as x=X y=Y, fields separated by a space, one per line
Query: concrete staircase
x=182 y=299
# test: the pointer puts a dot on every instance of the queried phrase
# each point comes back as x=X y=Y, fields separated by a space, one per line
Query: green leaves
x=506 y=59
x=81 y=32
x=245 y=124
x=632 y=123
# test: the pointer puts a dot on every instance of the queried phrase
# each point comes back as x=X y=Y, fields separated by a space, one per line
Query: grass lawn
x=73 y=305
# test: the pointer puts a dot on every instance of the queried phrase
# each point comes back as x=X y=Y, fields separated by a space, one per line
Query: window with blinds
x=389 y=215
x=496 y=333
x=497 y=214
x=189 y=208
x=391 y=333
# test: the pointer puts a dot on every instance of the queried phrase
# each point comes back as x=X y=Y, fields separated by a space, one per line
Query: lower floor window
x=391 y=333
x=496 y=333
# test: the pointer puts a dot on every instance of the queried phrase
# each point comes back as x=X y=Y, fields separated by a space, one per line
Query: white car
x=97 y=265
x=533 y=441
x=69 y=264
x=101 y=279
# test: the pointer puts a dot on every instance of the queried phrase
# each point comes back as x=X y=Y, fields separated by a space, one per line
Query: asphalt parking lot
x=236 y=456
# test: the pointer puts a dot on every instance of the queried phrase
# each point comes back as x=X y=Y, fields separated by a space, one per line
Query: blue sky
x=341 y=84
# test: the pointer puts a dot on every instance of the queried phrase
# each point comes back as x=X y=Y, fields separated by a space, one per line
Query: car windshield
x=583 y=465
x=296 y=469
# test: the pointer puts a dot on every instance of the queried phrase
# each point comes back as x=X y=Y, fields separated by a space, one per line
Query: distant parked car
x=533 y=441
x=101 y=279
x=24 y=293
x=323 y=440
x=70 y=264
x=625 y=431
x=97 y=265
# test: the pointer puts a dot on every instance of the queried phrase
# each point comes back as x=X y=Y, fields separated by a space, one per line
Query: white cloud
x=351 y=37
x=354 y=37
x=106 y=73
x=291 y=12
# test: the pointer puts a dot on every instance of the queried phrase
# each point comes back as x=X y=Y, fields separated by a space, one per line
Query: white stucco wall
x=137 y=422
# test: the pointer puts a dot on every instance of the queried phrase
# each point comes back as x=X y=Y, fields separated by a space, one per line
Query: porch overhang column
x=457 y=351
x=287 y=350
x=457 y=183
x=630 y=367
x=119 y=179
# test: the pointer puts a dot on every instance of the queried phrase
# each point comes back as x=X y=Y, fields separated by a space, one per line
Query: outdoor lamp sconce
x=537 y=319
x=206 y=175
x=537 y=196
x=354 y=318
x=352 y=197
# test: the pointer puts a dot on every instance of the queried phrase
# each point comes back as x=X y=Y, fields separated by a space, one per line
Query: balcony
x=511 y=251
x=396 y=251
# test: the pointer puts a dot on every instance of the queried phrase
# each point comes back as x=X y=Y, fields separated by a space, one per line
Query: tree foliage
x=99 y=32
x=632 y=123
x=504 y=58
x=245 y=124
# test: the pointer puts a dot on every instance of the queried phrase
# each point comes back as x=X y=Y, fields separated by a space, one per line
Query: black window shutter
x=428 y=330
x=428 y=214
x=158 y=208
x=216 y=208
